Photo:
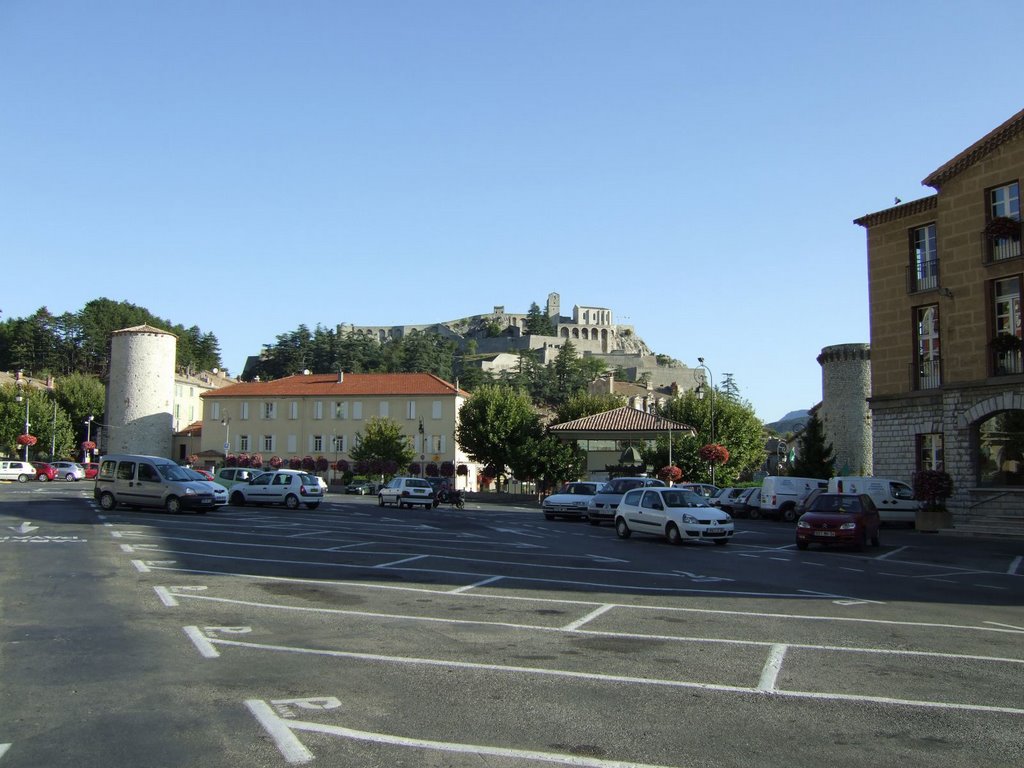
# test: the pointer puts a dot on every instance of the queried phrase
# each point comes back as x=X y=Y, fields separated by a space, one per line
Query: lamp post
x=700 y=395
x=88 y=437
x=423 y=447
x=226 y=422
x=20 y=396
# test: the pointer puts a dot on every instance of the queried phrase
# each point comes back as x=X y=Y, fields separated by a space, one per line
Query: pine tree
x=815 y=457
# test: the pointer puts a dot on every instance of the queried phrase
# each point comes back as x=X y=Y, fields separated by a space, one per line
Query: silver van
x=152 y=481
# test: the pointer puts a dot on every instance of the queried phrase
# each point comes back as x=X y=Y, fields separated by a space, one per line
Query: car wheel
x=801 y=545
x=22 y=478
x=380 y=500
x=291 y=501
x=43 y=478
x=237 y=499
x=755 y=514
x=107 y=501
x=876 y=540
x=789 y=514
x=672 y=534
x=69 y=477
x=173 y=505
x=312 y=506
x=621 y=529
x=862 y=543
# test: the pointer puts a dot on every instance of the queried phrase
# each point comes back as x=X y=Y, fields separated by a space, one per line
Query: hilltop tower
x=844 y=414
x=140 y=392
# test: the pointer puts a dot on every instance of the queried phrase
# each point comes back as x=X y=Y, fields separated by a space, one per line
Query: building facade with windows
x=947 y=376
x=322 y=416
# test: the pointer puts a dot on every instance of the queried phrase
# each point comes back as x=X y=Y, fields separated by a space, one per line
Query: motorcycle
x=453 y=497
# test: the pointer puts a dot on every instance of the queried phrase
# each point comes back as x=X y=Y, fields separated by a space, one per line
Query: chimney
x=341 y=376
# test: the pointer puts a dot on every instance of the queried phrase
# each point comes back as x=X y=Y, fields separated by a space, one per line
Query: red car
x=44 y=471
x=91 y=469
x=839 y=518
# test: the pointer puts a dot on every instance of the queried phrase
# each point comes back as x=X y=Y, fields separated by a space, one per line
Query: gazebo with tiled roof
x=625 y=423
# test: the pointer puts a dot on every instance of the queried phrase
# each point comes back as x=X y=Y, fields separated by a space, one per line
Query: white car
x=677 y=515
x=69 y=470
x=407 y=492
x=570 y=501
x=283 y=486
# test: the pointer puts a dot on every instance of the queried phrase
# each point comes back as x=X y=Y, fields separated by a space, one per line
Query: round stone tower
x=140 y=392
x=844 y=414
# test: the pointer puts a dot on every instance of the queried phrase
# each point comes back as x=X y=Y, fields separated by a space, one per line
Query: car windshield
x=683 y=499
x=174 y=472
x=622 y=485
x=839 y=505
x=581 y=489
x=309 y=480
x=195 y=475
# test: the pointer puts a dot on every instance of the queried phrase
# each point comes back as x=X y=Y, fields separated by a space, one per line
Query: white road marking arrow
x=25 y=528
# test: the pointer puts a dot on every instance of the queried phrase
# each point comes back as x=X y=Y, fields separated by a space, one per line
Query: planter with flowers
x=932 y=487
x=1002 y=227
x=670 y=474
x=28 y=440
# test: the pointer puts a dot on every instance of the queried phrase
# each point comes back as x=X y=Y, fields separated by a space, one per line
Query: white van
x=780 y=495
x=895 y=500
x=152 y=481
x=12 y=469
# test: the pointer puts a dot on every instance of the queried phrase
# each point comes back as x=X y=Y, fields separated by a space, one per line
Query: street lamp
x=226 y=422
x=423 y=447
x=700 y=396
x=88 y=437
x=18 y=399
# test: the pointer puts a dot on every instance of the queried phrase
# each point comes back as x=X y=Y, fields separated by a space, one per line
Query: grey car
x=603 y=504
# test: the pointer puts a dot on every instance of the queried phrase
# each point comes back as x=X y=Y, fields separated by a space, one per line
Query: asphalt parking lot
x=359 y=636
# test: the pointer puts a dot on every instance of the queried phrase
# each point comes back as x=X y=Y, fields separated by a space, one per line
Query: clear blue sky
x=250 y=166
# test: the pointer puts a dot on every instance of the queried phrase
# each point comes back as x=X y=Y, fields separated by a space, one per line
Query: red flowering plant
x=342 y=466
x=1002 y=227
x=256 y=460
x=933 y=487
x=231 y=460
x=414 y=468
x=322 y=464
x=193 y=459
x=714 y=453
x=670 y=474
x=276 y=462
x=294 y=462
x=243 y=459
x=88 y=445
x=432 y=470
x=462 y=470
x=447 y=468
x=28 y=440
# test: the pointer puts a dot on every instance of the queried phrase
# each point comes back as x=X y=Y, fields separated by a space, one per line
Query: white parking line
x=772 y=667
x=468 y=587
x=588 y=618
x=290 y=747
x=1012 y=570
x=4 y=748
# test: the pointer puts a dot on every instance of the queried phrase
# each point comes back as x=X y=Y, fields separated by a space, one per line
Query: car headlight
x=847 y=526
x=802 y=524
x=689 y=519
x=727 y=519
x=190 y=492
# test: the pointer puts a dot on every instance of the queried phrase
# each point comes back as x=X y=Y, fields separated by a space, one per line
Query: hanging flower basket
x=342 y=466
x=414 y=468
x=714 y=453
x=231 y=460
x=670 y=474
x=276 y=462
x=88 y=445
x=308 y=465
x=28 y=440
x=432 y=470
x=447 y=468
x=322 y=464
x=193 y=459
x=462 y=470
x=256 y=460
x=1002 y=227
x=294 y=462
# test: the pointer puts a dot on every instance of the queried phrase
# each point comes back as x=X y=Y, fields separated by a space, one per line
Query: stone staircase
x=992 y=525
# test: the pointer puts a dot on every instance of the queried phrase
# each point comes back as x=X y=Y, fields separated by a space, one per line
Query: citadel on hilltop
x=501 y=335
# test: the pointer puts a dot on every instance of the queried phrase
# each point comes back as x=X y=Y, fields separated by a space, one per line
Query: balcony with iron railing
x=1003 y=237
x=923 y=276
x=926 y=374
x=1007 y=355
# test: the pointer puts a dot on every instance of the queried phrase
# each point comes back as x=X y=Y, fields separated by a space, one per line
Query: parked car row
x=23 y=471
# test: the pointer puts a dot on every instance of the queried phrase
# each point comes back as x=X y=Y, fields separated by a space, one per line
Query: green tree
x=495 y=425
x=81 y=396
x=736 y=427
x=583 y=404
x=383 y=447
x=537 y=323
x=548 y=460
x=815 y=457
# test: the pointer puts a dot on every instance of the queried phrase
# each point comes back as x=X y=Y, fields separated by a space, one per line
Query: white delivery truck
x=780 y=495
x=895 y=500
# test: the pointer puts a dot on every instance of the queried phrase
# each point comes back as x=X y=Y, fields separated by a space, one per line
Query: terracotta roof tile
x=624 y=419
x=352 y=385
x=912 y=208
x=990 y=142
